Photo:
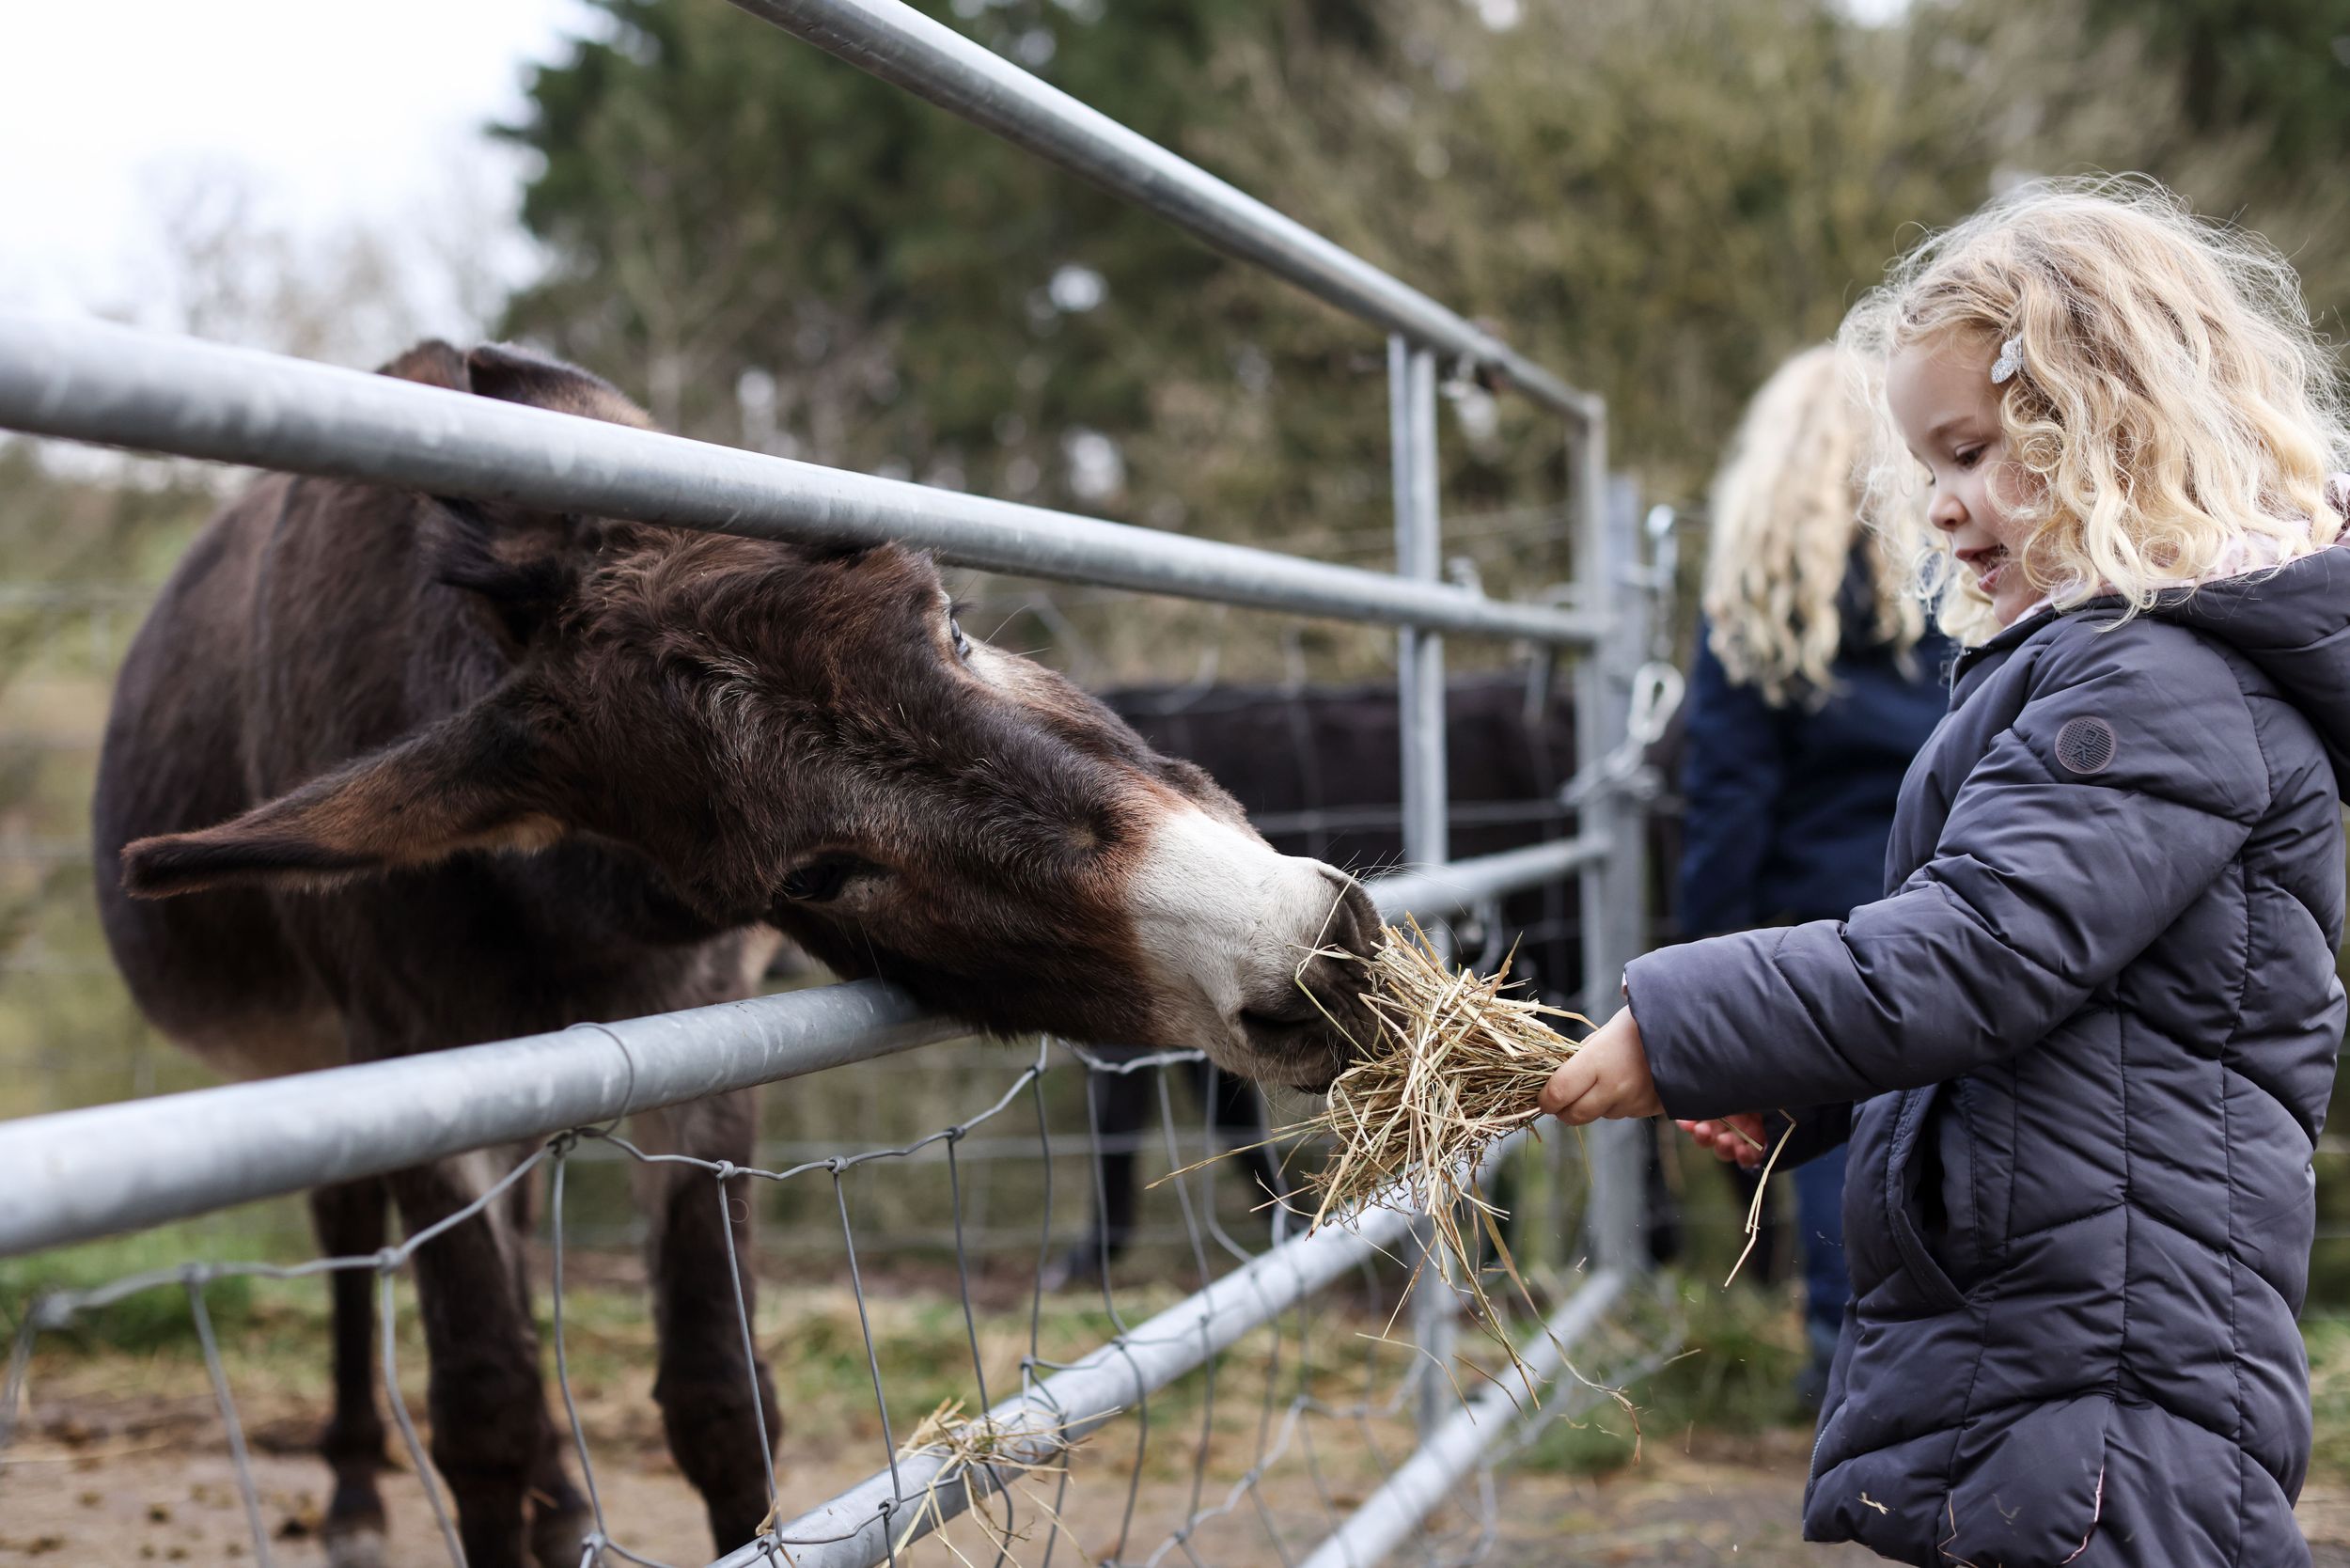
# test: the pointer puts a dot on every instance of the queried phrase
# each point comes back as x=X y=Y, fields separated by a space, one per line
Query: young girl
x=1816 y=682
x=2083 y=1047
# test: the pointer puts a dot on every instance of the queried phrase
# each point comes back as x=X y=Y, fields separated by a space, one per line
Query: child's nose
x=1946 y=513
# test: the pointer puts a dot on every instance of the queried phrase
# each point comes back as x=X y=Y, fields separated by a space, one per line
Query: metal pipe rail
x=901 y=46
x=73 y=1177
x=78 y=1174
x=861 y=1526
x=94 y=381
x=1464 y=884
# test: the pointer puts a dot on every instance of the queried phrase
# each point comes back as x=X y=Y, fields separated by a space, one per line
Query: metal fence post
x=1614 y=896
x=1419 y=655
x=1420 y=691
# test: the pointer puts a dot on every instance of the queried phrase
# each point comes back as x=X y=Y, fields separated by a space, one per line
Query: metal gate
x=90 y=1173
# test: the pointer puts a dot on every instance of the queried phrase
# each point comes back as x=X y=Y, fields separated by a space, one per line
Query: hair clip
x=2010 y=361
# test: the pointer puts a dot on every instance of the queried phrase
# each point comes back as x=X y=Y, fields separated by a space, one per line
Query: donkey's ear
x=515 y=375
x=474 y=781
x=432 y=363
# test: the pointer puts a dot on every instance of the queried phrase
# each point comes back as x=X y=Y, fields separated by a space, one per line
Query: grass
x=2329 y=1342
x=1735 y=1375
x=156 y=1319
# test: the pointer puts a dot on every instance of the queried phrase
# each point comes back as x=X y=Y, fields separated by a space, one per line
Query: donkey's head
x=808 y=738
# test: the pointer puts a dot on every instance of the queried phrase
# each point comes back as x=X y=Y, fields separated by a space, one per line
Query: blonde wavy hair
x=2175 y=416
x=1785 y=515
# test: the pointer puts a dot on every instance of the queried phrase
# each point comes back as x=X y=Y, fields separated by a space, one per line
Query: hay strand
x=1008 y=1452
x=1458 y=1065
x=1761 y=1191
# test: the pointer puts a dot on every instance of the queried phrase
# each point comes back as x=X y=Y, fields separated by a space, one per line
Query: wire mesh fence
x=1022 y=1187
x=1298 y=1407
x=1015 y=1198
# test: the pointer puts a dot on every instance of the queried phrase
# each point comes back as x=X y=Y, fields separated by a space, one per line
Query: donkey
x=387 y=773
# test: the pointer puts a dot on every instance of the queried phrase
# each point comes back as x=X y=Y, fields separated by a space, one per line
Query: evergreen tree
x=903 y=292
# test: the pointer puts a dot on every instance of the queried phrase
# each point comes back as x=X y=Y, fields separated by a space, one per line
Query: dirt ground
x=98 y=1491
x=167 y=1492
x=121 y=1460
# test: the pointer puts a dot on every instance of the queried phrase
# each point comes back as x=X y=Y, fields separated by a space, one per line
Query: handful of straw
x=1457 y=1065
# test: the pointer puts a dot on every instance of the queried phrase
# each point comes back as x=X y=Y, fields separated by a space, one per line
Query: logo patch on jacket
x=2084 y=746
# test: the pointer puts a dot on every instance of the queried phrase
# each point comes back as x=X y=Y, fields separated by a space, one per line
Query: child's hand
x=1720 y=1135
x=1608 y=1077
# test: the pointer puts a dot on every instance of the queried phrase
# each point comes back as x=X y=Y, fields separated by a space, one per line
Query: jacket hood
x=2293 y=622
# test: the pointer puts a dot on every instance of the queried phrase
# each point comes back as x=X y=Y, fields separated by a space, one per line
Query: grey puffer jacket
x=2082 y=1050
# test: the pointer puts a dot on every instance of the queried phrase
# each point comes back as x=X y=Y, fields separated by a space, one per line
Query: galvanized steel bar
x=872 y=1522
x=1418 y=550
x=1615 y=897
x=94 y=381
x=1463 y=883
x=930 y=60
x=1390 y=1515
x=82 y=1173
x=75 y=1175
x=1419 y=695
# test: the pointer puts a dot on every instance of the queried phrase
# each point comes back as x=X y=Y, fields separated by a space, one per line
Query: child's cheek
x=2011 y=491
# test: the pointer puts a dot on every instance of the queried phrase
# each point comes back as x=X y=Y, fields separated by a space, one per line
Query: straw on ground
x=986 y=1456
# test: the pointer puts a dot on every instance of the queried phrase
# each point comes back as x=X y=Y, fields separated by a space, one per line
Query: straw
x=1457 y=1064
x=1014 y=1450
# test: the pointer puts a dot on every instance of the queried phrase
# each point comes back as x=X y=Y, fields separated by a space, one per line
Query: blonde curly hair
x=2175 y=416
x=1785 y=515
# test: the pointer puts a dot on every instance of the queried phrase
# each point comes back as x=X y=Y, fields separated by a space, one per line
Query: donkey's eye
x=819 y=879
x=963 y=644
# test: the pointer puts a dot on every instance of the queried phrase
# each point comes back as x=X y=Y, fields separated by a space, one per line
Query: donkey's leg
x=559 y=1517
x=490 y=1427
x=350 y=1222
x=1239 y=1113
x=1120 y=1107
x=703 y=1387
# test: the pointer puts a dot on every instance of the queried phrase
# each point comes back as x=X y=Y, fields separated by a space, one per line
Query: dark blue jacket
x=1789 y=805
x=2090 y=1033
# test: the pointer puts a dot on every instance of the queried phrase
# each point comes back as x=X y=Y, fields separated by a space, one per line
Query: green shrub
x=155 y=1318
x=1741 y=1350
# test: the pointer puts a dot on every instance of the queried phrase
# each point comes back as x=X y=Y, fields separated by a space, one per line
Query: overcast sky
x=340 y=113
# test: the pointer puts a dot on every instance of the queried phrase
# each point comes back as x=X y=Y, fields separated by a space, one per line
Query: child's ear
x=473 y=782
